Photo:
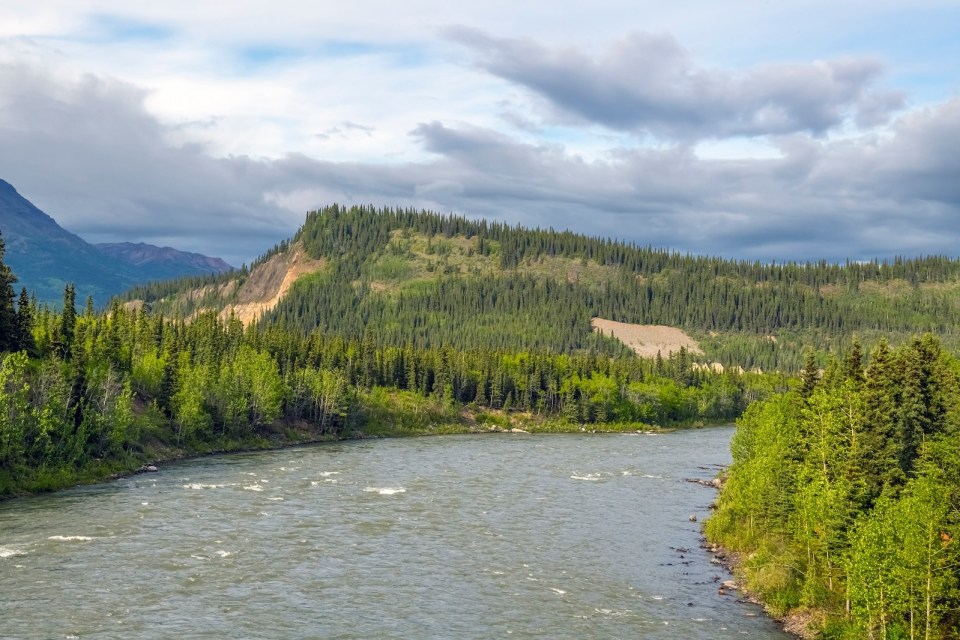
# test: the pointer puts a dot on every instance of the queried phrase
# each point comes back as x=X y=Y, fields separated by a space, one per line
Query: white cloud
x=215 y=129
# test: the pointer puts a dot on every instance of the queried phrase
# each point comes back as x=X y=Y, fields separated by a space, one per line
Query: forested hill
x=400 y=276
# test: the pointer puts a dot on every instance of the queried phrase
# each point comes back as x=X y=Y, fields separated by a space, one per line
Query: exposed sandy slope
x=647 y=339
x=269 y=283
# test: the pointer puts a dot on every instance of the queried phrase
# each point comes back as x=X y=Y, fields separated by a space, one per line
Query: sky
x=771 y=130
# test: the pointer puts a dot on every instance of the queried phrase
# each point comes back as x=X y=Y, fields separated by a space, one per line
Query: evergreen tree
x=853 y=363
x=810 y=374
x=8 y=315
x=25 y=340
x=68 y=320
x=878 y=448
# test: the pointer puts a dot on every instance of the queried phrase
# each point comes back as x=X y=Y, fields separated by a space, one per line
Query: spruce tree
x=68 y=320
x=879 y=439
x=25 y=340
x=809 y=375
x=8 y=316
x=853 y=363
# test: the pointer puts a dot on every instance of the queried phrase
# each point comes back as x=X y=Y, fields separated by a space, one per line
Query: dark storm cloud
x=649 y=84
x=88 y=153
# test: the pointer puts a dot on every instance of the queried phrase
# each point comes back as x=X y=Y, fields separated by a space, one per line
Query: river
x=477 y=536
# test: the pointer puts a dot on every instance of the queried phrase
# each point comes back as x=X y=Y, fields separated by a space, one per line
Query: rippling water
x=511 y=536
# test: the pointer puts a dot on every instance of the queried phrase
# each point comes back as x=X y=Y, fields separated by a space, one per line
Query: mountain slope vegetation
x=421 y=278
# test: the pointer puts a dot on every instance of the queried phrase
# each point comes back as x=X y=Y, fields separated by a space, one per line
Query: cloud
x=86 y=150
x=856 y=198
x=346 y=129
x=648 y=83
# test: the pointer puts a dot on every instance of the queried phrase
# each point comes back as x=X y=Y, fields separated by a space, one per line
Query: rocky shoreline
x=796 y=623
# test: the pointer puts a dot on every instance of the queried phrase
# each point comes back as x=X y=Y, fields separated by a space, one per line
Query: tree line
x=734 y=306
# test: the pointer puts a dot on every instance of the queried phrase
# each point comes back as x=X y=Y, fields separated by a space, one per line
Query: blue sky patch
x=117 y=28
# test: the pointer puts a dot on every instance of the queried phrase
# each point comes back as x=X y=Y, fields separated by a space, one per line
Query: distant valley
x=45 y=256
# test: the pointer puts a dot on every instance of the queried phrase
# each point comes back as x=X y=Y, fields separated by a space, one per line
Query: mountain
x=45 y=256
x=162 y=263
x=403 y=277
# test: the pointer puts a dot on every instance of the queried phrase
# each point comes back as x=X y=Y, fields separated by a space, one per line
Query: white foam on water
x=144 y=504
x=651 y=476
x=253 y=487
x=196 y=486
x=385 y=491
x=70 y=538
x=223 y=554
x=616 y=613
x=590 y=477
x=557 y=591
x=276 y=499
x=7 y=552
x=327 y=474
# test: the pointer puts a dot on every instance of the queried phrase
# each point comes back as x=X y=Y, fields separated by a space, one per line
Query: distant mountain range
x=45 y=256
x=164 y=261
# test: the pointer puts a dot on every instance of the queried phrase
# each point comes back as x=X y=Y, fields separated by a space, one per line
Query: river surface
x=486 y=536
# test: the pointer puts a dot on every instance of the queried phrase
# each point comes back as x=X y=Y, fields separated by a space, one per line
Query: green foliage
x=856 y=488
x=419 y=278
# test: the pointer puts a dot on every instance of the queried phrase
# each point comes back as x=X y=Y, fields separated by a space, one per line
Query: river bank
x=798 y=623
x=160 y=445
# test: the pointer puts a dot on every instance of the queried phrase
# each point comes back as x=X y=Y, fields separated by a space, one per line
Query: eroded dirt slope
x=270 y=282
x=647 y=339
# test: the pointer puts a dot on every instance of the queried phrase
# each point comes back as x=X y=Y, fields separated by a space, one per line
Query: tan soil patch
x=269 y=283
x=647 y=339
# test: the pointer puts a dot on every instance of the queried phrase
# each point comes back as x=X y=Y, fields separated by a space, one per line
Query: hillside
x=408 y=277
x=45 y=256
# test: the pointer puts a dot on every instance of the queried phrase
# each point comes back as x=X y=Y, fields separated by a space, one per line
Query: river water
x=486 y=536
